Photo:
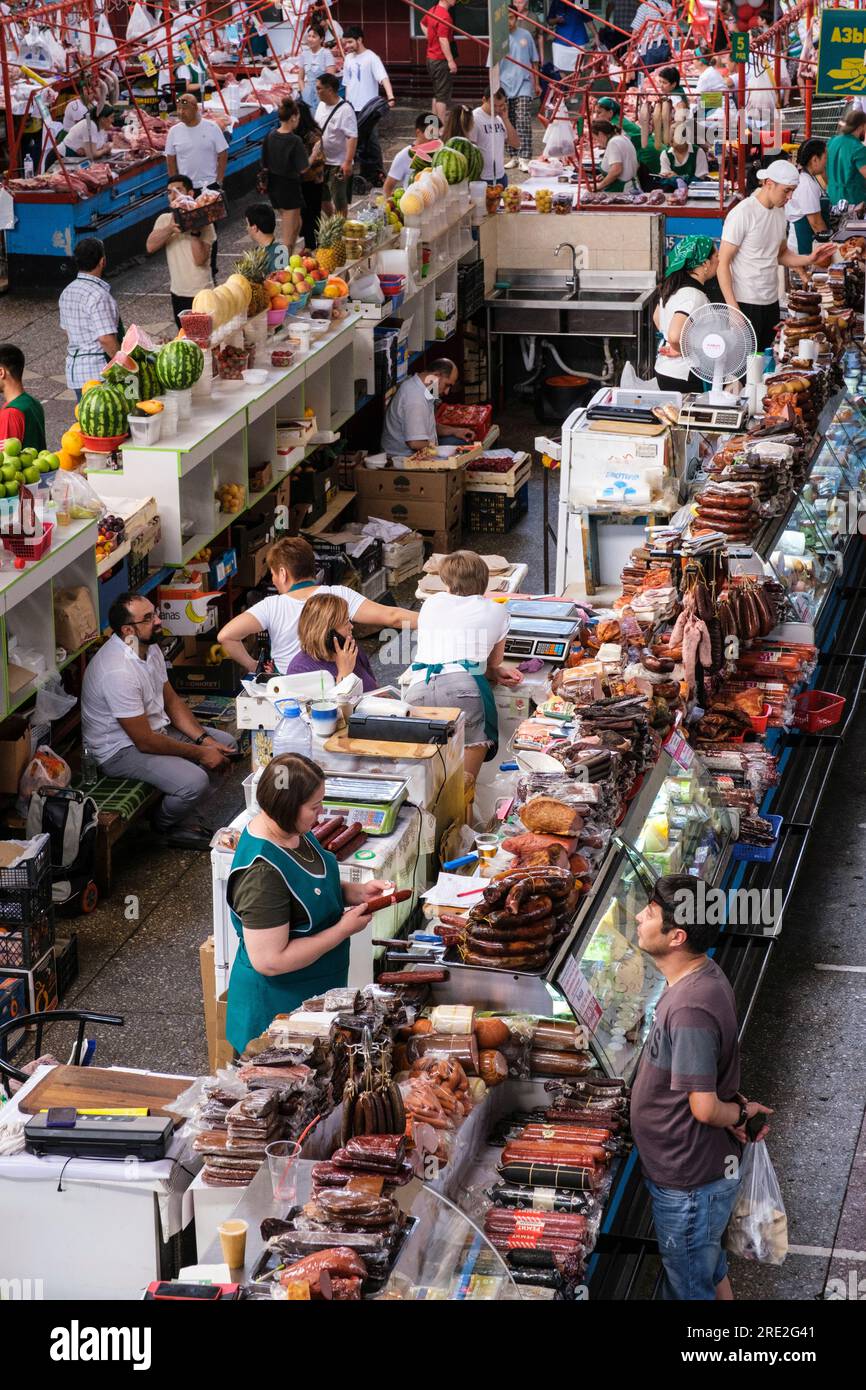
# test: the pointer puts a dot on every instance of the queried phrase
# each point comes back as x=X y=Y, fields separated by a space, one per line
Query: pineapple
x=330 y=247
x=253 y=267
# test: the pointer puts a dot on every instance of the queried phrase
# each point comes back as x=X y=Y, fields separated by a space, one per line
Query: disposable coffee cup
x=808 y=349
x=233 y=1240
x=324 y=718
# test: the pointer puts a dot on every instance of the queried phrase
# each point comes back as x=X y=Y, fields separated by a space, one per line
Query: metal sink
x=604 y=304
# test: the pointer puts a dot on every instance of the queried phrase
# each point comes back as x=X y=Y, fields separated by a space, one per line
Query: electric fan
x=716 y=341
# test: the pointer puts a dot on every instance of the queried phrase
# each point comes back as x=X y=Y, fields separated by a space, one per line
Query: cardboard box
x=445 y=329
x=222 y=568
x=75 y=620
x=190 y=673
x=429 y=485
x=282 y=493
x=40 y=984
x=15 y=752
x=13 y=997
x=253 y=568
x=220 y=1053
x=418 y=513
x=186 y=617
x=249 y=534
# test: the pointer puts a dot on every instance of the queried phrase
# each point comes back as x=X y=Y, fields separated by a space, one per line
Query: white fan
x=716 y=341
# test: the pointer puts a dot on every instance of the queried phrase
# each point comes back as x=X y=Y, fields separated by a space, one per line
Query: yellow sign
x=841 y=54
x=148 y=64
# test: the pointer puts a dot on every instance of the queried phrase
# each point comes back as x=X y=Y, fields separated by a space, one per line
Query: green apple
x=10 y=488
x=12 y=446
x=29 y=453
x=295 y=262
x=44 y=465
x=7 y=472
x=31 y=475
x=51 y=459
x=19 y=476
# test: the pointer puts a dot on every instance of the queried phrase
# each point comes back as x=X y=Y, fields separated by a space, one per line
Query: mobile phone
x=755 y=1124
x=336 y=640
x=61 y=1117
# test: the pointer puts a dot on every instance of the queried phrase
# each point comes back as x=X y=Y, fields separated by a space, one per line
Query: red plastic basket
x=28 y=547
x=759 y=721
x=817 y=709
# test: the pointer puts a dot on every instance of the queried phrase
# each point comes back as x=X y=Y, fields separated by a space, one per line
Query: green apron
x=254 y=1000
x=685 y=171
x=803 y=231
x=491 y=714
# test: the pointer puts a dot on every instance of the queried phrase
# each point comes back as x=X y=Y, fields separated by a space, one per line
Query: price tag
x=682 y=752
x=579 y=994
x=186 y=51
x=148 y=64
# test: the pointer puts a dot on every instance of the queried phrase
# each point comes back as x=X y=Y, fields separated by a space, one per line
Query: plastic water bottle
x=28 y=166
x=89 y=767
x=292 y=734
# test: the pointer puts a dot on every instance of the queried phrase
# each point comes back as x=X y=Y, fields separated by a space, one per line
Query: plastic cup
x=283 y=1156
x=487 y=846
x=233 y=1240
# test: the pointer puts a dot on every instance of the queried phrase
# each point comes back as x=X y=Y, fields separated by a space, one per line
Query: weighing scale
x=547 y=639
x=369 y=801
x=696 y=413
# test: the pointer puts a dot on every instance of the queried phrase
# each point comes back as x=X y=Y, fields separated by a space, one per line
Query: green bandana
x=692 y=251
x=608 y=104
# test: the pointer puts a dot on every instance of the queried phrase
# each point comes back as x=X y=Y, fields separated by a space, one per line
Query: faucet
x=572 y=284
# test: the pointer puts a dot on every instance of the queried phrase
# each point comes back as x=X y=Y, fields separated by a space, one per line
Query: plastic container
x=105 y=445
x=324 y=718
x=760 y=854
x=29 y=547
x=759 y=721
x=814 y=710
x=184 y=402
x=255 y=376
x=275 y=317
x=146 y=430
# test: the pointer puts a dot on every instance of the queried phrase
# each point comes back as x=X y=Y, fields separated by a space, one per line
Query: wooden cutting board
x=376 y=748
x=91 y=1088
x=625 y=427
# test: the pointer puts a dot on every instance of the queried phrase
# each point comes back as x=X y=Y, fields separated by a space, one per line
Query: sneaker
x=524 y=166
x=512 y=163
x=190 y=835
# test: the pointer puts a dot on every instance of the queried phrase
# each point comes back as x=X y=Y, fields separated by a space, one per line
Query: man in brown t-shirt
x=687 y=1115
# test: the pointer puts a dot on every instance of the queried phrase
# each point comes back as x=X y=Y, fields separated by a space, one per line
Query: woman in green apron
x=461 y=645
x=292 y=914
x=808 y=211
x=681 y=160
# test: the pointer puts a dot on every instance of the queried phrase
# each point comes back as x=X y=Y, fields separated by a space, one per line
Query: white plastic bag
x=140 y=22
x=52 y=701
x=559 y=138
x=758 y=1228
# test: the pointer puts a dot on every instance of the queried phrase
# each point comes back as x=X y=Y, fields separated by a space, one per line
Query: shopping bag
x=140 y=22
x=758 y=1229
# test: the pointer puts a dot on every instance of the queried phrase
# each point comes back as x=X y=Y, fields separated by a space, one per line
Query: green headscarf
x=692 y=251
x=609 y=104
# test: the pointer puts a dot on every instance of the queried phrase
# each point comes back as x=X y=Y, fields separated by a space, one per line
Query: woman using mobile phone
x=327 y=644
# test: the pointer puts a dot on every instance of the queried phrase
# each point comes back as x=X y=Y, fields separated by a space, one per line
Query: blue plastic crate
x=759 y=854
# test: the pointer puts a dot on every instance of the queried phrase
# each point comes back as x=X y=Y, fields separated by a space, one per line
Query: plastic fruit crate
x=760 y=854
x=816 y=710
x=22 y=944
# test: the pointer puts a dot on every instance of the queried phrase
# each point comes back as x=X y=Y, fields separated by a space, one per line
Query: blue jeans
x=689 y=1228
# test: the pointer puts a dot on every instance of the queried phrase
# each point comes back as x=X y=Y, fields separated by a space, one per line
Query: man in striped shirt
x=653 y=45
x=89 y=317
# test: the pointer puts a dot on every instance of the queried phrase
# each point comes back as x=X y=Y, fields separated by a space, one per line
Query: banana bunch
x=215 y=655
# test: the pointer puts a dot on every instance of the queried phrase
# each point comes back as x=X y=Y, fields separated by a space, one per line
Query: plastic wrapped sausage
x=547 y=1063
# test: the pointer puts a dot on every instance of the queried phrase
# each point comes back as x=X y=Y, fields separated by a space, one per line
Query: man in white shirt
x=619 y=159
x=197 y=148
x=136 y=725
x=292 y=563
x=339 y=127
x=427 y=127
x=410 y=420
x=363 y=74
x=492 y=128
x=755 y=244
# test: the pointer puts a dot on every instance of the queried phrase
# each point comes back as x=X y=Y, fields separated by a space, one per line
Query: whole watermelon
x=453 y=164
x=179 y=365
x=102 y=412
x=471 y=153
x=124 y=381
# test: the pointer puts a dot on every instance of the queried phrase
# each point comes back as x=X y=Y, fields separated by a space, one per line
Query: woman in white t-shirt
x=619 y=159
x=461 y=644
x=809 y=208
x=292 y=563
x=690 y=265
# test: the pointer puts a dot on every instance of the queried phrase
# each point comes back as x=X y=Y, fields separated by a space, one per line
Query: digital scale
x=696 y=413
x=560 y=610
x=369 y=801
x=549 y=639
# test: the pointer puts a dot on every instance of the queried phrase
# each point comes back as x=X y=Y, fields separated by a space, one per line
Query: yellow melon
x=242 y=284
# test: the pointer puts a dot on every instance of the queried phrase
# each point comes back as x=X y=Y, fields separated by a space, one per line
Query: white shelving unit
x=227 y=434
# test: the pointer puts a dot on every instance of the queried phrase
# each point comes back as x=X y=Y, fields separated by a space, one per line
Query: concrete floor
x=803 y=1053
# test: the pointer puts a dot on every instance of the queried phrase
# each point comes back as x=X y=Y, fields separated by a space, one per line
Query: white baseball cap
x=780 y=171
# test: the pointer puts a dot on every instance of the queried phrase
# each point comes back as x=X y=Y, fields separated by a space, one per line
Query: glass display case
x=611 y=986
x=688 y=829
x=447 y=1259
